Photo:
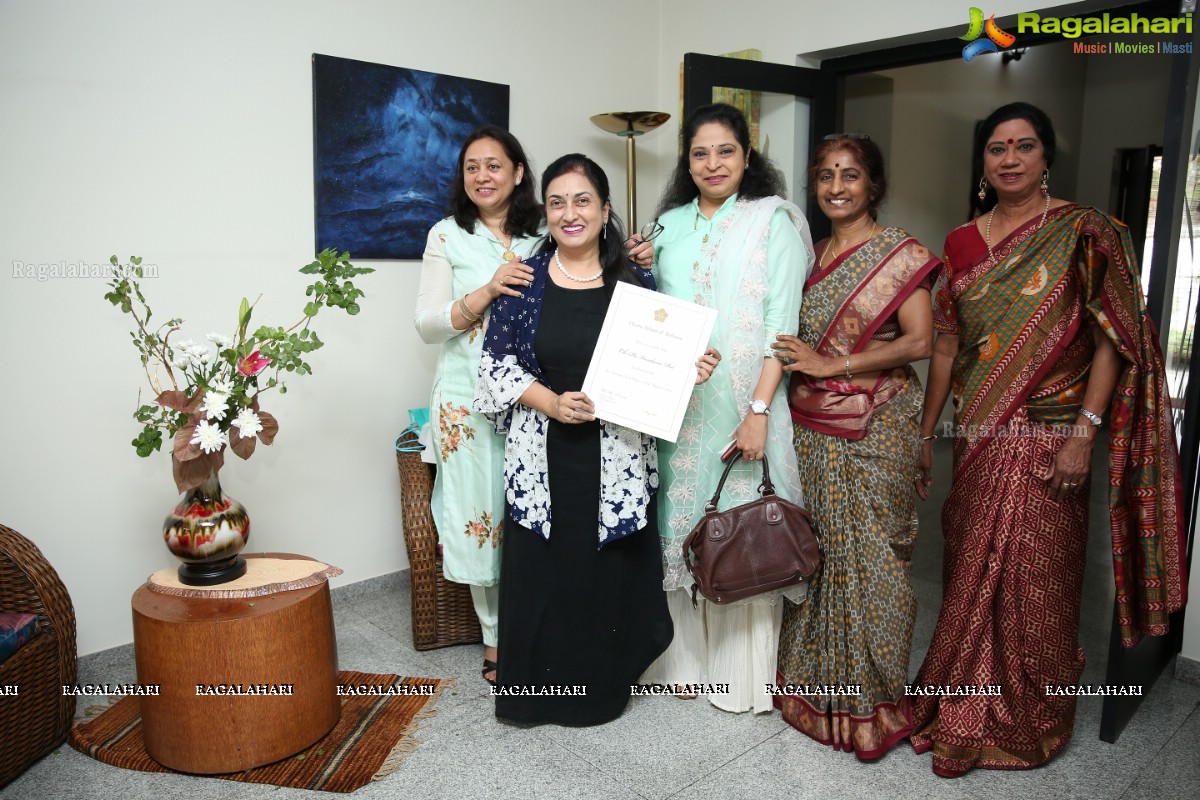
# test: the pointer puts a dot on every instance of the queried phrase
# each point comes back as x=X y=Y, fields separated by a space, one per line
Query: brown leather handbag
x=766 y=544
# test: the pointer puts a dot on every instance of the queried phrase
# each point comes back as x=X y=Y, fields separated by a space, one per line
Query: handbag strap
x=765 y=489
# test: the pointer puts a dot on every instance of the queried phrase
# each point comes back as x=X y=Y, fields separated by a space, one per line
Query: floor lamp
x=630 y=124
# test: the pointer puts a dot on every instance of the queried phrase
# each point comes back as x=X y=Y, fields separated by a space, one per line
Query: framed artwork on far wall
x=385 y=140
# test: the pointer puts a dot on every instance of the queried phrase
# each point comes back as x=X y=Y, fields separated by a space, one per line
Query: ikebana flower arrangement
x=207 y=394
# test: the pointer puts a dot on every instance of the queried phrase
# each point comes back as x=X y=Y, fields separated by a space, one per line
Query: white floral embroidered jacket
x=628 y=459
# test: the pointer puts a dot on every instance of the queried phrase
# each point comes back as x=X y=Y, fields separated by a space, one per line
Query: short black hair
x=524 y=213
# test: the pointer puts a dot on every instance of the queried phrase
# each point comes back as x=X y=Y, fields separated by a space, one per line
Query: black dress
x=572 y=615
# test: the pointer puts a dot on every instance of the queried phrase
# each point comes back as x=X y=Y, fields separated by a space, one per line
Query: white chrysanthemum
x=247 y=423
x=210 y=437
x=183 y=362
x=220 y=340
x=221 y=385
x=216 y=405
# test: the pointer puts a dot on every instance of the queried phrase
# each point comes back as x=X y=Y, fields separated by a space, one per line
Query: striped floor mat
x=372 y=738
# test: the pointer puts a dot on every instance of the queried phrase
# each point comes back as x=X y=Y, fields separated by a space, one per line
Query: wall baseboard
x=1187 y=670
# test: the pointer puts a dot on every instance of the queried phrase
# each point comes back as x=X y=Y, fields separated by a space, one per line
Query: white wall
x=934 y=108
x=183 y=133
x=1118 y=112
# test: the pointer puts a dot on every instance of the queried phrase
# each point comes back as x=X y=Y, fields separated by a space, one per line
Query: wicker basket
x=38 y=719
x=442 y=612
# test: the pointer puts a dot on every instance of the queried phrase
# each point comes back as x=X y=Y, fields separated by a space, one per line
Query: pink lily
x=252 y=364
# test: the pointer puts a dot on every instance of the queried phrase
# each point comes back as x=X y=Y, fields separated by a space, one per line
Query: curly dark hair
x=524 y=213
x=866 y=153
x=613 y=259
x=1042 y=126
x=761 y=179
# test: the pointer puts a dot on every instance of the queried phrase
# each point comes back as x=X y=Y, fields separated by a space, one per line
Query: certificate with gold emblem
x=644 y=367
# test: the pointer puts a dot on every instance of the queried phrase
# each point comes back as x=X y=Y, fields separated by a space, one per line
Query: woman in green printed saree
x=1042 y=330
x=855 y=402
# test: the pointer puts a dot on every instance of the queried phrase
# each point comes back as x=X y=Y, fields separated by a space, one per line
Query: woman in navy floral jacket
x=582 y=612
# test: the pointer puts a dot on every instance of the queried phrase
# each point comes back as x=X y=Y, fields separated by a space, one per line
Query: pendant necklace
x=508 y=254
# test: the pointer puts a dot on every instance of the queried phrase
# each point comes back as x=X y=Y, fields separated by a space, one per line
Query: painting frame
x=385 y=144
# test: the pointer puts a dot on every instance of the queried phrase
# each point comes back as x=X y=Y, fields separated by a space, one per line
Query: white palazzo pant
x=722 y=644
x=487 y=607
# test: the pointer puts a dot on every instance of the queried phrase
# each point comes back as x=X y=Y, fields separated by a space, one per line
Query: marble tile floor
x=664 y=747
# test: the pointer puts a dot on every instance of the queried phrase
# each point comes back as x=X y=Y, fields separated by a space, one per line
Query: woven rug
x=372 y=738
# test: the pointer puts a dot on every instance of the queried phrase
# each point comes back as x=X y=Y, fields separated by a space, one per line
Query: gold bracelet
x=849 y=375
x=467 y=313
x=929 y=438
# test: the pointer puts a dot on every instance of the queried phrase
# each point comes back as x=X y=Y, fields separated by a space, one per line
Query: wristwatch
x=759 y=407
x=1091 y=417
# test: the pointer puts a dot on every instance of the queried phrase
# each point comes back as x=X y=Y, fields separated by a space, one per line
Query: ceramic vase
x=206 y=531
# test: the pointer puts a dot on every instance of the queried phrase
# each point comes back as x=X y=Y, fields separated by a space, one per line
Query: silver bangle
x=1091 y=417
x=466 y=311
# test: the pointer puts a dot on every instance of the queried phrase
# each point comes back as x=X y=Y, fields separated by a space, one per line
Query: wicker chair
x=442 y=612
x=38 y=719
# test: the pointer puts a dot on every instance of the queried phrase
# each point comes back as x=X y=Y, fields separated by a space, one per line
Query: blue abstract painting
x=385 y=140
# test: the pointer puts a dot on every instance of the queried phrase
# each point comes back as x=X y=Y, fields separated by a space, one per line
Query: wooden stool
x=223 y=664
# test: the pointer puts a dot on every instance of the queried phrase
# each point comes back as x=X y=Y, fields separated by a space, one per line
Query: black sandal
x=488 y=666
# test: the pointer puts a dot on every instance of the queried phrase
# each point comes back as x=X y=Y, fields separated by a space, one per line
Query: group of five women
x=1040 y=326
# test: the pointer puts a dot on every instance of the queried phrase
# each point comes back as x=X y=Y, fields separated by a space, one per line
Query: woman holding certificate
x=856 y=403
x=582 y=610
x=730 y=242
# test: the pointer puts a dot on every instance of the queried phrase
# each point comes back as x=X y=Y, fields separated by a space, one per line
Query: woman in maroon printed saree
x=855 y=402
x=1042 y=330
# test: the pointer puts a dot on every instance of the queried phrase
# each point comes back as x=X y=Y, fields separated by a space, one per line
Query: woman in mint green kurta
x=471 y=258
x=729 y=242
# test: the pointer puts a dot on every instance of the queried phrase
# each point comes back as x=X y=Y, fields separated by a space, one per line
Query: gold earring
x=982 y=189
x=1046 y=182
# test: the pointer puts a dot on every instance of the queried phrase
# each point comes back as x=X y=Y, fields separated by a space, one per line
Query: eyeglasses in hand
x=648 y=232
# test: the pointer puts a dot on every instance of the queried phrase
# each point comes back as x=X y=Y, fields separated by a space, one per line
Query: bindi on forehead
x=1010 y=141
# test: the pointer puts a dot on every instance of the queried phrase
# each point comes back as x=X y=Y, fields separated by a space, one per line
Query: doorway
x=922 y=109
